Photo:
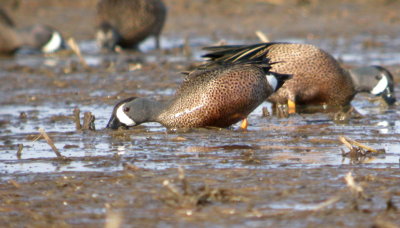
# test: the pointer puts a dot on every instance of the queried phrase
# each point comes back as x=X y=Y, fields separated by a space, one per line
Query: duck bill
x=63 y=45
x=114 y=123
x=388 y=96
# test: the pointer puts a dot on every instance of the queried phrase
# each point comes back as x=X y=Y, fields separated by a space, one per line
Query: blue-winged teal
x=126 y=23
x=39 y=37
x=211 y=96
x=317 y=78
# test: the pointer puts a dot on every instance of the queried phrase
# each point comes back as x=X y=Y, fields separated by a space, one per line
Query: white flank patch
x=273 y=82
x=381 y=86
x=123 y=118
x=186 y=111
x=53 y=44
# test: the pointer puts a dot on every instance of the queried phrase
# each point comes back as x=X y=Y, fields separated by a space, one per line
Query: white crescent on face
x=54 y=43
x=381 y=86
x=273 y=82
x=123 y=118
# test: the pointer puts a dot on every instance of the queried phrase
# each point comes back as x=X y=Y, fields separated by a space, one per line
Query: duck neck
x=154 y=109
x=360 y=80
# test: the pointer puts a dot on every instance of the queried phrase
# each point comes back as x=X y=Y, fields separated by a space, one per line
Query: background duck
x=317 y=78
x=126 y=23
x=38 y=37
x=216 y=96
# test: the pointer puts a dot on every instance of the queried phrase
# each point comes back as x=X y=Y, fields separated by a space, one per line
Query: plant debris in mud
x=343 y=117
x=49 y=141
x=19 y=152
x=358 y=152
x=88 y=120
x=187 y=196
x=250 y=158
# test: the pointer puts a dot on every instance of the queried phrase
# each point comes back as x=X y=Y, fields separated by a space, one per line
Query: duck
x=37 y=37
x=210 y=96
x=317 y=78
x=126 y=23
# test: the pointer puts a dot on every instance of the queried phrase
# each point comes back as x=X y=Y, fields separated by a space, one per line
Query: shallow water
x=282 y=172
x=300 y=142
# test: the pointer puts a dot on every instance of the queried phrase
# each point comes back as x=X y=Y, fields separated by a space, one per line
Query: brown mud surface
x=282 y=172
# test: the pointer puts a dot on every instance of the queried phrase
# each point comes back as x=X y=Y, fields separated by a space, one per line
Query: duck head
x=134 y=111
x=375 y=80
x=107 y=37
x=45 y=38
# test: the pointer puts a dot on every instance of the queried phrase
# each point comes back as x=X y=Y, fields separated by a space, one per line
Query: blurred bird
x=126 y=23
x=37 y=37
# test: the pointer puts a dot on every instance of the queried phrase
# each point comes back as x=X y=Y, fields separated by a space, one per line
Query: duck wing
x=208 y=72
x=237 y=53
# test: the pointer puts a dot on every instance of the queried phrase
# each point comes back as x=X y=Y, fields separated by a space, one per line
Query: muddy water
x=274 y=174
x=306 y=140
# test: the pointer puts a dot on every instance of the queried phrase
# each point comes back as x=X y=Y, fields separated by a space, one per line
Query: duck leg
x=244 y=124
x=291 y=107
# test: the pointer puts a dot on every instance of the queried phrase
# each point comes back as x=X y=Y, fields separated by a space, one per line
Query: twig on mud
x=265 y=112
x=342 y=116
x=75 y=48
x=189 y=197
x=88 y=121
x=354 y=187
x=51 y=143
x=327 y=203
x=77 y=119
x=263 y=38
x=367 y=148
x=345 y=142
x=358 y=151
x=348 y=142
x=19 y=152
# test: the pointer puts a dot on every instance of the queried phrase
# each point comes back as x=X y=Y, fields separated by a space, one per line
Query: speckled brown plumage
x=133 y=20
x=218 y=97
x=317 y=78
x=212 y=96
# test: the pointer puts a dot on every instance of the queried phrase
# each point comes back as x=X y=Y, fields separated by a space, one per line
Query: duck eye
x=378 y=77
x=126 y=109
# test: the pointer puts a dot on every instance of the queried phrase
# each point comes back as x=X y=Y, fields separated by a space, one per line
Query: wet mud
x=281 y=172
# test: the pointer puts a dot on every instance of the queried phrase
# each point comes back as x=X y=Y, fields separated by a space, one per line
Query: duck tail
x=236 y=53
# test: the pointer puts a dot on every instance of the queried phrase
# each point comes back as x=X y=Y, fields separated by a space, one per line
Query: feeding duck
x=317 y=78
x=210 y=96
